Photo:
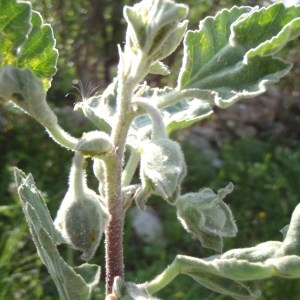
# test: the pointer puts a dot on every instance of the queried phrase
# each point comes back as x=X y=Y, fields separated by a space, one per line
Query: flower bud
x=81 y=220
x=94 y=143
x=162 y=167
x=82 y=217
x=205 y=215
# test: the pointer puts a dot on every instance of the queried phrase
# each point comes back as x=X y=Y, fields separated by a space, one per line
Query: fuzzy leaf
x=185 y=113
x=38 y=52
x=132 y=292
x=71 y=284
x=30 y=194
x=159 y=68
x=25 y=42
x=233 y=53
x=208 y=276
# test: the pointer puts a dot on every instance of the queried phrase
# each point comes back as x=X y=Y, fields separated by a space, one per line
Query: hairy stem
x=162 y=279
x=77 y=174
x=113 y=179
x=175 y=96
x=114 y=230
x=131 y=166
x=62 y=137
x=158 y=126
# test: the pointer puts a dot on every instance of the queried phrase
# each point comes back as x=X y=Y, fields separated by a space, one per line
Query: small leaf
x=131 y=291
x=169 y=43
x=291 y=242
x=232 y=54
x=208 y=275
x=284 y=230
x=90 y=274
x=151 y=22
x=25 y=42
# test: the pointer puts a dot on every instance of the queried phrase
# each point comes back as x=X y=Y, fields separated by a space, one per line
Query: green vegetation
x=264 y=173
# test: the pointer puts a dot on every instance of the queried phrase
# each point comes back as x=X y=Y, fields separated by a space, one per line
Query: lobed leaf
x=25 y=41
x=233 y=53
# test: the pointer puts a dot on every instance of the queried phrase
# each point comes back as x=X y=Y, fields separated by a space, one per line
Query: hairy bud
x=162 y=167
x=81 y=222
x=82 y=217
x=94 y=143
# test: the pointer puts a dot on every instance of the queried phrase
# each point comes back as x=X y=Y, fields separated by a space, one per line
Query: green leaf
x=185 y=113
x=130 y=291
x=233 y=53
x=72 y=284
x=25 y=42
x=38 y=52
x=30 y=194
x=90 y=273
x=159 y=68
x=14 y=25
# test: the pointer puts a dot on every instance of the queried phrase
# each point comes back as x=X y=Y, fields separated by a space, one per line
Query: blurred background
x=254 y=144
